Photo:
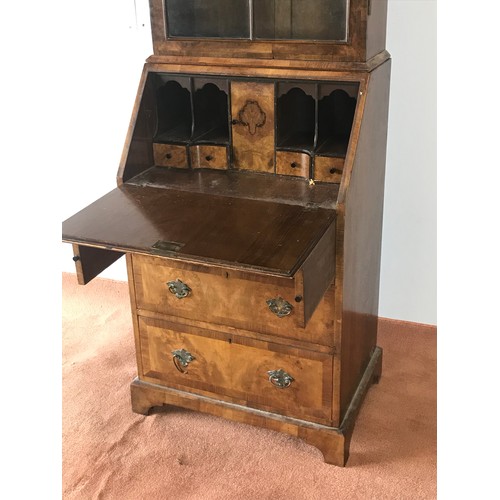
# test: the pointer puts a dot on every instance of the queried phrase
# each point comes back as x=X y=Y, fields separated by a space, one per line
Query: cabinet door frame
x=356 y=47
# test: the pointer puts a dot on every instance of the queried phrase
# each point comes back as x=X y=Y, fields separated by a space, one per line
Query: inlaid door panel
x=252 y=110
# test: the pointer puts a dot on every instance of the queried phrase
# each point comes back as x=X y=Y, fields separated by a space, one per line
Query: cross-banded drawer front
x=220 y=296
x=261 y=374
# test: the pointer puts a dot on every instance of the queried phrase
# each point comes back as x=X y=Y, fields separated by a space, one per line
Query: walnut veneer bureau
x=249 y=208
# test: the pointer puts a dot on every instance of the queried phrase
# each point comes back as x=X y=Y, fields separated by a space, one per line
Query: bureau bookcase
x=249 y=209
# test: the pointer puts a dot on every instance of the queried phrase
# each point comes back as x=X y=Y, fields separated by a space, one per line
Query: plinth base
x=333 y=442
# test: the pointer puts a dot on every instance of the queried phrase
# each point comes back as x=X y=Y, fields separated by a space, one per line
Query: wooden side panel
x=252 y=110
x=362 y=237
x=376 y=27
x=137 y=154
x=90 y=261
x=133 y=308
x=318 y=272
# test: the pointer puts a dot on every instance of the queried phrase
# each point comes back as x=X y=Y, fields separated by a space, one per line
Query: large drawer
x=219 y=295
x=237 y=368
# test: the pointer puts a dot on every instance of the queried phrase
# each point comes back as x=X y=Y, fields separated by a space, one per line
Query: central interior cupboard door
x=252 y=110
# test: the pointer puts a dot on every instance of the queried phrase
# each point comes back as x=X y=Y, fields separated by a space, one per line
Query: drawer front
x=218 y=295
x=291 y=163
x=328 y=169
x=209 y=157
x=170 y=155
x=263 y=375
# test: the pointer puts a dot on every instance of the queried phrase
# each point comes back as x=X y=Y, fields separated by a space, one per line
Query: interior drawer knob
x=279 y=306
x=181 y=359
x=280 y=378
x=179 y=289
x=209 y=157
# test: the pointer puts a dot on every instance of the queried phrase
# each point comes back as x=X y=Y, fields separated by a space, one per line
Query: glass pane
x=300 y=19
x=208 y=18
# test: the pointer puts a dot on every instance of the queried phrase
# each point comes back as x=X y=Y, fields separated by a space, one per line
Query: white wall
x=408 y=274
x=109 y=45
x=101 y=75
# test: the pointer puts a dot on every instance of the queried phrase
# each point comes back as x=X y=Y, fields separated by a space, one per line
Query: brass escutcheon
x=178 y=288
x=279 y=306
x=181 y=359
x=280 y=378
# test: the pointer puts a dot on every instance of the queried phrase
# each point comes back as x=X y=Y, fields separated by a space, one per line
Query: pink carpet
x=111 y=453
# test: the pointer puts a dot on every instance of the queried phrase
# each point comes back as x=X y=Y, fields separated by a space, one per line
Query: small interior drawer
x=293 y=163
x=206 y=361
x=170 y=155
x=328 y=169
x=207 y=156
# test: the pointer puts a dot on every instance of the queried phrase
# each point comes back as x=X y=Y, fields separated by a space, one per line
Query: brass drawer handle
x=280 y=378
x=181 y=359
x=179 y=289
x=279 y=306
